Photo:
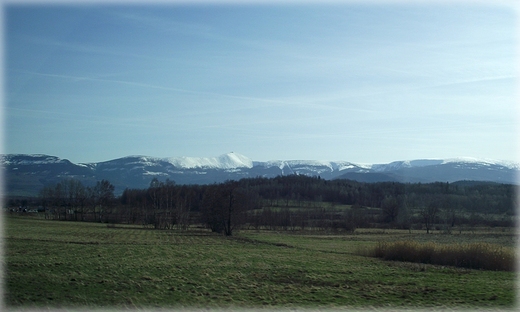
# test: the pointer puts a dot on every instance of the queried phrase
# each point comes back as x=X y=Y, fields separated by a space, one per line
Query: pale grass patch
x=484 y=256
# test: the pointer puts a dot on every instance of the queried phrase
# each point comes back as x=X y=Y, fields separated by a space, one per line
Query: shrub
x=473 y=256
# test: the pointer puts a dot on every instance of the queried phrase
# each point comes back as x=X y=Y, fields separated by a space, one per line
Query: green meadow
x=57 y=264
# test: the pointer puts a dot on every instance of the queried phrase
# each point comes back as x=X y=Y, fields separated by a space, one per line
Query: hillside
x=26 y=174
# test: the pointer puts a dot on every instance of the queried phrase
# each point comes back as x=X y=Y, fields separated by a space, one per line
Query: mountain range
x=25 y=175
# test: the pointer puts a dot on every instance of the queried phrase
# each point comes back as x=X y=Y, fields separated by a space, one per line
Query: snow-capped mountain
x=27 y=174
x=226 y=161
x=326 y=169
x=396 y=165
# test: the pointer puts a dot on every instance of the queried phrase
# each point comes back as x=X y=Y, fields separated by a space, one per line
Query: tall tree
x=223 y=207
x=103 y=194
x=390 y=207
x=428 y=214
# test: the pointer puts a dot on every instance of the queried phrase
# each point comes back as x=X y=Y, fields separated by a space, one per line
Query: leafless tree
x=428 y=214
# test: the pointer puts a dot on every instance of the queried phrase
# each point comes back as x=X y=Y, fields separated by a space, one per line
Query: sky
x=367 y=83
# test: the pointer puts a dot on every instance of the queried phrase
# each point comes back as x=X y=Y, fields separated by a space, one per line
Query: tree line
x=293 y=202
x=71 y=200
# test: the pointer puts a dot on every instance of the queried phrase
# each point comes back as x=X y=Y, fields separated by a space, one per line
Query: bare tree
x=428 y=214
x=76 y=196
x=223 y=207
x=103 y=194
x=185 y=199
x=390 y=208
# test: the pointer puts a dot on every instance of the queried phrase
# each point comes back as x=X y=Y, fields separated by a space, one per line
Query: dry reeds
x=471 y=255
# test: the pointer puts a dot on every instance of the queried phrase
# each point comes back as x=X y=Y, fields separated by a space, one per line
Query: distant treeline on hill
x=294 y=202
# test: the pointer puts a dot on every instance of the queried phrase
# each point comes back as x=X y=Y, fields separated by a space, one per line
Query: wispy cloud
x=89 y=48
x=158 y=23
x=149 y=86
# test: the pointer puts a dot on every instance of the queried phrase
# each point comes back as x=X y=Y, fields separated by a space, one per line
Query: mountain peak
x=226 y=161
x=235 y=160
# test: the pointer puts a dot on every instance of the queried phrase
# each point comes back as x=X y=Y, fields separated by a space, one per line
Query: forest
x=288 y=203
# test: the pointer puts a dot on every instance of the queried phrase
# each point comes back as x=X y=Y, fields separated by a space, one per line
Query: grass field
x=89 y=265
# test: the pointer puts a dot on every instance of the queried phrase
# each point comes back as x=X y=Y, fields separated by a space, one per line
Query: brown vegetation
x=473 y=256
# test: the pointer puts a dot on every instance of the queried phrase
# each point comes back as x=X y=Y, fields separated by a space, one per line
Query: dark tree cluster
x=71 y=200
x=292 y=202
x=164 y=205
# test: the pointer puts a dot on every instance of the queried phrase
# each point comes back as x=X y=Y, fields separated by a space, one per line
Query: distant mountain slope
x=445 y=172
x=25 y=175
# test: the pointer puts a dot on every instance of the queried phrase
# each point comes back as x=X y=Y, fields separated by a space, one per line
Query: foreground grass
x=69 y=264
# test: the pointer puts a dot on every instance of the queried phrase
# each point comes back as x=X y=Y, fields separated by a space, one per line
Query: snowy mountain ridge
x=40 y=159
x=332 y=165
x=235 y=161
x=483 y=161
x=26 y=174
x=431 y=162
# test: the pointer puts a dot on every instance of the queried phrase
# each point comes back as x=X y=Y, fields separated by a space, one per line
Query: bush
x=473 y=256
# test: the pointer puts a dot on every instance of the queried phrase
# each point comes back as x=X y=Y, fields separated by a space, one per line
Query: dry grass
x=483 y=256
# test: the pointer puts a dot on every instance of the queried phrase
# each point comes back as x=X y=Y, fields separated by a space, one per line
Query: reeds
x=470 y=255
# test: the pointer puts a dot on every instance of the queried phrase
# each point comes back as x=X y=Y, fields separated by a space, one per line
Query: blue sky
x=364 y=83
